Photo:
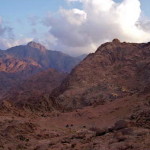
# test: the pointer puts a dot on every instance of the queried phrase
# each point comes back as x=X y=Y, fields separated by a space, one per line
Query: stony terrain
x=119 y=125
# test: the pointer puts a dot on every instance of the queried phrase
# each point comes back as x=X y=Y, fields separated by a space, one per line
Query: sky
x=73 y=26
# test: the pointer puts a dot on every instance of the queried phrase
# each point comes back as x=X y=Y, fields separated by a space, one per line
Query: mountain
x=45 y=58
x=116 y=70
x=20 y=62
x=103 y=104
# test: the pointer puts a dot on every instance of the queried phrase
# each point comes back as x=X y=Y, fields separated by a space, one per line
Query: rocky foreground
x=119 y=125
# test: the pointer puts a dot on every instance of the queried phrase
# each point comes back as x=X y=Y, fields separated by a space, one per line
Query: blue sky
x=16 y=12
x=26 y=17
x=14 y=9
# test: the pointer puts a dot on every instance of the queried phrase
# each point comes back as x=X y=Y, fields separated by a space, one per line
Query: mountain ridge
x=117 y=69
x=46 y=58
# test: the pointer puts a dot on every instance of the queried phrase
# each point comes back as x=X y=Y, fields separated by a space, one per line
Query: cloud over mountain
x=81 y=29
x=99 y=21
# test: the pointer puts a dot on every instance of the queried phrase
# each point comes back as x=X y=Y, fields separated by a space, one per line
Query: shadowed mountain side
x=33 y=92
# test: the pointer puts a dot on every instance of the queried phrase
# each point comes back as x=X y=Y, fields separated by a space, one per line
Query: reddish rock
x=114 y=71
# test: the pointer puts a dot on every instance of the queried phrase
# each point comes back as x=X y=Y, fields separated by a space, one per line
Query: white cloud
x=74 y=16
x=48 y=40
x=7 y=43
x=79 y=31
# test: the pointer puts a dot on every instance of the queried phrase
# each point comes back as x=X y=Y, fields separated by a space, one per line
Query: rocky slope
x=33 y=92
x=115 y=70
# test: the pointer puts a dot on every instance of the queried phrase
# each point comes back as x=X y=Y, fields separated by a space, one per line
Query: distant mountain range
x=36 y=53
x=21 y=62
x=103 y=103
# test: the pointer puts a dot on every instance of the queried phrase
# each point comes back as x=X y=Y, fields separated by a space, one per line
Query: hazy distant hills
x=45 y=58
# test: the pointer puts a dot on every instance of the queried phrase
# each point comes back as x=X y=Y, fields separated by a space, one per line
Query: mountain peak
x=36 y=45
x=116 y=41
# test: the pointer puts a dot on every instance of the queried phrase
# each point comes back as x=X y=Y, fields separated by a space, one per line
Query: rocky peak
x=36 y=45
x=116 y=41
